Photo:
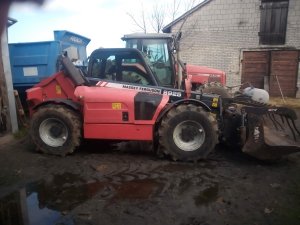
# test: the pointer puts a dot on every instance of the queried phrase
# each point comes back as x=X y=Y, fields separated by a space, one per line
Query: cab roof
x=147 y=36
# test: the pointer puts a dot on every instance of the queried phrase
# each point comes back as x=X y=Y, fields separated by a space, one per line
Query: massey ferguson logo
x=144 y=89
x=140 y=88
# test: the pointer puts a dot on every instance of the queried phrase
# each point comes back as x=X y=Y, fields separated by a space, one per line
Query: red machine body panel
x=105 y=105
x=119 y=131
x=57 y=86
x=110 y=113
x=203 y=74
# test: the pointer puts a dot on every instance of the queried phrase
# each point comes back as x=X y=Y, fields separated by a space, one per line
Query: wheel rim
x=189 y=135
x=53 y=132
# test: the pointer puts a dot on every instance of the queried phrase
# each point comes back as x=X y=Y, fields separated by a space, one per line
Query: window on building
x=273 y=21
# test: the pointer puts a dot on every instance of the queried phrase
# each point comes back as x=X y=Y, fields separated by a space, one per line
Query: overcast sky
x=103 y=21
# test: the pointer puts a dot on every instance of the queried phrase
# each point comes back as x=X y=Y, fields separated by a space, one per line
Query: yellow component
x=58 y=89
x=215 y=102
x=116 y=106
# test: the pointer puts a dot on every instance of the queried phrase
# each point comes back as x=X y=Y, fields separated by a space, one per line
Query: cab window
x=120 y=66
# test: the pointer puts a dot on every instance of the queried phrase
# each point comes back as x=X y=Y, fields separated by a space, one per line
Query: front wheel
x=55 y=130
x=186 y=133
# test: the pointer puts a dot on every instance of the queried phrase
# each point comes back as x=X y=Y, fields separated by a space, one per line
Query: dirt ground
x=127 y=184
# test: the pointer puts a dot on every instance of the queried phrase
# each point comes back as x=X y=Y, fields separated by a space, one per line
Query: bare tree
x=158 y=17
x=190 y=4
x=139 y=21
x=161 y=13
x=175 y=8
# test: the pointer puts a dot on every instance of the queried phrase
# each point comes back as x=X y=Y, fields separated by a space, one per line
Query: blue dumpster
x=32 y=62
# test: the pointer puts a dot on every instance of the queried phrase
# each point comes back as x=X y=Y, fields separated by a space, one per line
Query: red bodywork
x=102 y=108
x=54 y=88
x=203 y=75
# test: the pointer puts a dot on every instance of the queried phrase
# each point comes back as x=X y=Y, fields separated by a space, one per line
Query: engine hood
x=203 y=74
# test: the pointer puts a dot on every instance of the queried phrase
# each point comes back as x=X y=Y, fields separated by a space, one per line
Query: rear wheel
x=56 y=130
x=187 y=133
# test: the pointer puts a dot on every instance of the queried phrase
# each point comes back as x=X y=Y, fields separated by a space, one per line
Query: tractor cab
x=160 y=50
x=157 y=51
x=120 y=65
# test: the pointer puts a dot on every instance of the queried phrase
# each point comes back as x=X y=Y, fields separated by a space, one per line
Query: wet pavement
x=50 y=201
x=111 y=186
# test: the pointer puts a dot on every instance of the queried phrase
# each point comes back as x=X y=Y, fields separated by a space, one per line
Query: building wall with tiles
x=216 y=34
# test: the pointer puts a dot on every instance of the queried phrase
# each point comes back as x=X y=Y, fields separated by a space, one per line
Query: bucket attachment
x=271 y=132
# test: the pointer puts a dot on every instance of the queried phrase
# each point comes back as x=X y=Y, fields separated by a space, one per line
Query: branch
x=175 y=8
x=158 y=18
x=141 y=25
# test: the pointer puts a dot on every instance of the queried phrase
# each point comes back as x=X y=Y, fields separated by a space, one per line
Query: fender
x=69 y=103
x=182 y=101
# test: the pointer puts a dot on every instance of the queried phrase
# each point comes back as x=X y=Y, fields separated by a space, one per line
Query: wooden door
x=255 y=66
x=284 y=70
x=273 y=69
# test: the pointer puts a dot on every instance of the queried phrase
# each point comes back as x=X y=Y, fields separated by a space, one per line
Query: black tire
x=56 y=130
x=187 y=133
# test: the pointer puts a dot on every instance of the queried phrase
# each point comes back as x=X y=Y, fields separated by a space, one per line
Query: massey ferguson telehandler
x=122 y=98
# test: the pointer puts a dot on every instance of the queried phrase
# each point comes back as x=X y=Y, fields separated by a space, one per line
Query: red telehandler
x=122 y=98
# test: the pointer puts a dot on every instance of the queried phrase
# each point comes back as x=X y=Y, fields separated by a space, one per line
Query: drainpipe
x=10 y=101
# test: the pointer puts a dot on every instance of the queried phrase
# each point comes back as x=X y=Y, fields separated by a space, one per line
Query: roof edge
x=56 y=32
x=166 y=29
x=146 y=36
x=10 y=21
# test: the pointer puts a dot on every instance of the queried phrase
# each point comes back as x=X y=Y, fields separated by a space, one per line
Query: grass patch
x=21 y=133
x=288 y=102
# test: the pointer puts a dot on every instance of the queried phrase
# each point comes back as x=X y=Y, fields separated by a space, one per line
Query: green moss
x=23 y=132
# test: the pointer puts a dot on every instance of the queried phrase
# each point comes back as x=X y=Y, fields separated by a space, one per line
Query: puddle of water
x=19 y=208
x=48 y=202
x=208 y=195
x=64 y=192
x=42 y=215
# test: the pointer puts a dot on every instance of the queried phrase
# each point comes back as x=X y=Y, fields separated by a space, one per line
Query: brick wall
x=216 y=34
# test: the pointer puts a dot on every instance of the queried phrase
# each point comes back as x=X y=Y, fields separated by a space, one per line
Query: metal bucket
x=271 y=133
